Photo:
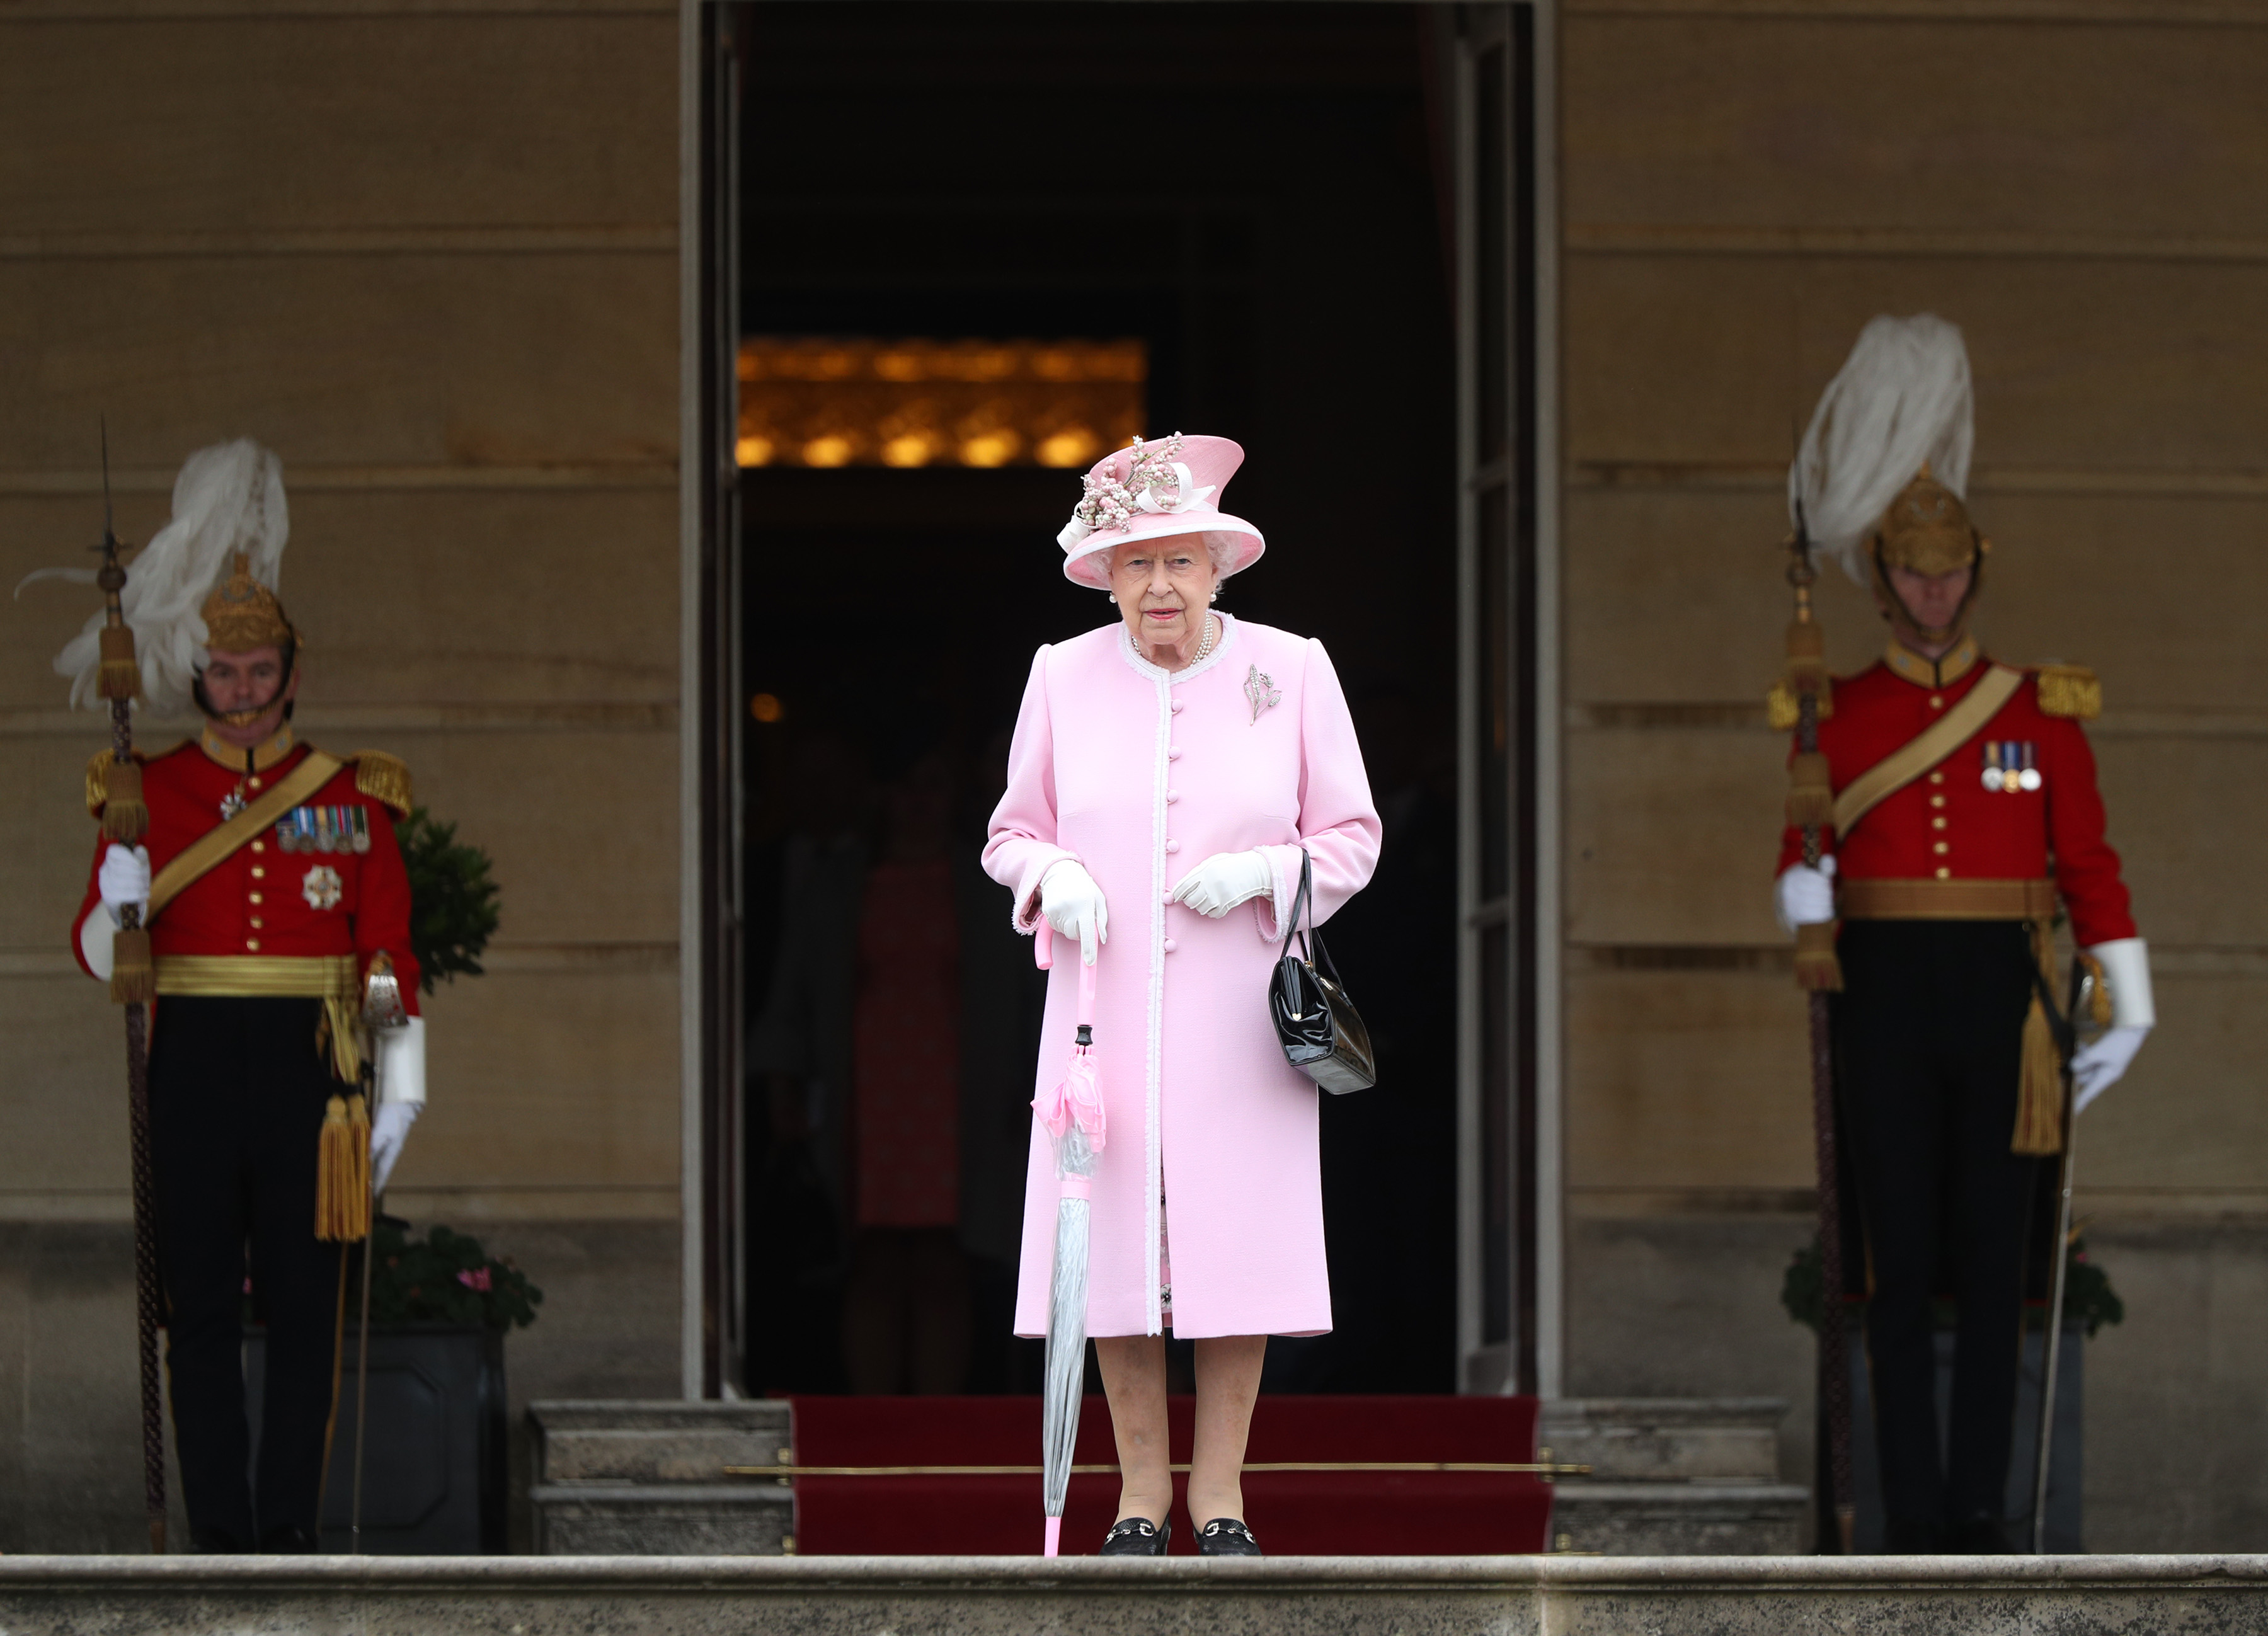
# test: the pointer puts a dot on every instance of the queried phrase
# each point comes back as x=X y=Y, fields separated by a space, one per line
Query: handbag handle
x=1311 y=940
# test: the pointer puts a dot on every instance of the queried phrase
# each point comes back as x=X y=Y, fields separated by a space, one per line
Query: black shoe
x=1904 y=1538
x=1978 y=1536
x=1225 y=1536
x=289 y=1541
x=1136 y=1536
x=207 y=1541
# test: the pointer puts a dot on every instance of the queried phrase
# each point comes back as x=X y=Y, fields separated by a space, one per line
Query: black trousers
x=1929 y=1039
x=237 y=1095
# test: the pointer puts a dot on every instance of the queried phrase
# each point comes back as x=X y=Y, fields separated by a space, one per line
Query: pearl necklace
x=1211 y=634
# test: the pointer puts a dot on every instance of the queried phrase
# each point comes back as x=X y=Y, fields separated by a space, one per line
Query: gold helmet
x=1925 y=530
x=242 y=616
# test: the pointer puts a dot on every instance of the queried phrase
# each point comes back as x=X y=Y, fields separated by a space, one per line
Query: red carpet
x=1328 y=1513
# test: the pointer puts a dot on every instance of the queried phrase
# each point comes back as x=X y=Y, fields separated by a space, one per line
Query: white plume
x=1901 y=399
x=228 y=498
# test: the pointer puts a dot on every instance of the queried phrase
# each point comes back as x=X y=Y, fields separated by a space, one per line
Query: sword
x=2067 y=1038
x=382 y=1012
x=125 y=819
x=1818 y=973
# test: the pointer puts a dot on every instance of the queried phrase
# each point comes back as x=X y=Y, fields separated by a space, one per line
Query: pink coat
x=1141 y=775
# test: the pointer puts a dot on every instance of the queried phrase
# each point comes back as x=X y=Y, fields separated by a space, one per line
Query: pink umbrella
x=1071 y=1111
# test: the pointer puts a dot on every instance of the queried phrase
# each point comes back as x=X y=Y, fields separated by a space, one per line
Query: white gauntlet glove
x=2095 y=1067
x=1072 y=904
x=1224 y=881
x=123 y=878
x=1805 y=896
x=401 y=1096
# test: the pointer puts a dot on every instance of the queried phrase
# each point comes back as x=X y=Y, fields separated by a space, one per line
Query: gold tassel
x=119 y=677
x=125 y=816
x=1780 y=706
x=2072 y=690
x=1810 y=793
x=335 y=1034
x=2039 y=1089
x=384 y=778
x=1817 y=969
x=342 y=1172
x=133 y=974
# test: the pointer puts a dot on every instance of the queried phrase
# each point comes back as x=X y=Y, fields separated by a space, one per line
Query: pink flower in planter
x=475 y=1279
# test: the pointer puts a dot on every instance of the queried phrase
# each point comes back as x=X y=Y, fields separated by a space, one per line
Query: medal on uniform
x=2029 y=777
x=1993 y=772
x=322 y=888
x=326 y=840
x=361 y=816
x=231 y=804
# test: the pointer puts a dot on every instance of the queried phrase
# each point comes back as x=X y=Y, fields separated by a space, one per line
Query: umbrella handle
x=1043 y=946
x=1086 y=993
x=1055 y=1537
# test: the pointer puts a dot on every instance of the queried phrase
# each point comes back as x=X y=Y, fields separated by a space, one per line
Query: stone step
x=579 y=1442
x=1673 y=1476
x=1679 y=1519
x=2197 y=1595
x=647 y=1479
x=1666 y=1439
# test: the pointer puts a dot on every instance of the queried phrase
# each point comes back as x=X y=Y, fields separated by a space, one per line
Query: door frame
x=708 y=785
x=1510 y=1050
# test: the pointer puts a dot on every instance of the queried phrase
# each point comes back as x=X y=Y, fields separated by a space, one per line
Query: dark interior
x=1257 y=191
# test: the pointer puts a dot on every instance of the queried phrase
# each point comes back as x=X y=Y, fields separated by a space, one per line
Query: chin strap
x=1950 y=632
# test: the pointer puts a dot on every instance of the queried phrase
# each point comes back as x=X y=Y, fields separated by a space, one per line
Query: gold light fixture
x=831 y=401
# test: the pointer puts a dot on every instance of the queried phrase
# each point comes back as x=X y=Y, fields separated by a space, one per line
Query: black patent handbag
x=1322 y=1033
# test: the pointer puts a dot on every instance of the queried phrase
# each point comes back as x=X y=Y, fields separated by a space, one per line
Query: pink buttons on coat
x=1172 y=846
x=1173 y=752
x=1172 y=796
x=1177 y=707
x=1169 y=945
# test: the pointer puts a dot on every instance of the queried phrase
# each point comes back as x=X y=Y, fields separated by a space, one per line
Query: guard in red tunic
x=1966 y=819
x=276 y=899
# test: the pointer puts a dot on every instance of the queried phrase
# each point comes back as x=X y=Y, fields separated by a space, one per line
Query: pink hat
x=1152 y=490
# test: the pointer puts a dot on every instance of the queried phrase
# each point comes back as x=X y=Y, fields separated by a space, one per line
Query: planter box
x=433 y=1462
x=2063 y=1517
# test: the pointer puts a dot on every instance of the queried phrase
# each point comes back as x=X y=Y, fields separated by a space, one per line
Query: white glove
x=1224 y=881
x=123 y=878
x=1072 y=904
x=1804 y=896
x=2096 y=1068
x=387 y=1132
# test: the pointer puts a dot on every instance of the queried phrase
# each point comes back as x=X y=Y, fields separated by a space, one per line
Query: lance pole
x=132 y=983
x=1810 y=807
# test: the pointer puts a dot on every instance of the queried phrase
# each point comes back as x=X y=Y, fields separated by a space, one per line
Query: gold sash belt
x=331 y=978
x=1946 y=900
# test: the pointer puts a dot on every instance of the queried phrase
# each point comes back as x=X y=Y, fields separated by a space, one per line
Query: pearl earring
x=1114 y=599
x=1216 y=596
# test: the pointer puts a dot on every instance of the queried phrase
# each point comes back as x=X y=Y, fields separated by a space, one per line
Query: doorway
x=970 y=236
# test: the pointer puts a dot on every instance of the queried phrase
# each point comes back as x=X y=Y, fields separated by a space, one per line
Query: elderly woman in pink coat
x=1169 y=770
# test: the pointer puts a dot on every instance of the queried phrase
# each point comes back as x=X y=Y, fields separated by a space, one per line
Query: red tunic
x=1948 y=825
x=262 y=900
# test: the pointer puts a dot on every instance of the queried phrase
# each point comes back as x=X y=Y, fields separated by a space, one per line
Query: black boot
x=1905 y=1536
x=1978 y=1536
x=288 y=1540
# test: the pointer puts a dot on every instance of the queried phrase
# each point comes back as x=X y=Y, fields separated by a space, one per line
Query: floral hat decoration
x=1153 y=490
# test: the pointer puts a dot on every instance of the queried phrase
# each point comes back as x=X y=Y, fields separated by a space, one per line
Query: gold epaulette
x=2072 y=690
x=98 y=780
x=1780 y=707
x=383 y=777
